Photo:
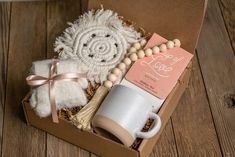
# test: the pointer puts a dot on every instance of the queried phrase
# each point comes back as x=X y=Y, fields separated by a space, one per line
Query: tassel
x=84 y=117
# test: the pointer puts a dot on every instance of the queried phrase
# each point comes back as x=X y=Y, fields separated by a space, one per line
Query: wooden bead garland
x=140 y=54
x=134 y=55
x=156 y=50
x=177 y=42
x=116 y=71
x=132 y=50
x=170 y=44
x=112 y=77
x=143 y=42
x=108 y=84
x=163 y=47
x=122 y=66
x=137 y=46
x=148 y=52
x=127 y=61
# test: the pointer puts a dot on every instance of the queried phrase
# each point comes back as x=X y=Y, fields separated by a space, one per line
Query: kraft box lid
x=171 y=19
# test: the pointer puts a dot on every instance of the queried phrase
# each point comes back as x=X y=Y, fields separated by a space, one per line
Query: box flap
x=166 y=111
x=84 y=139
x=170 y=18
x=23 y=102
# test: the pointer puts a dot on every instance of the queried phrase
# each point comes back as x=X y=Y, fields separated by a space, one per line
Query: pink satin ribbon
x=35 y=80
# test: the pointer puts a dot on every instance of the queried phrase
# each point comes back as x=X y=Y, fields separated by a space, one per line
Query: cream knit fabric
x=67 y=93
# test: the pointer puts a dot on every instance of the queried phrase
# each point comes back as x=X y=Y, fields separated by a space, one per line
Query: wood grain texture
x=193 y=125
x=217 y=63
x=228 y=11
x=93 y=155
x=59 y=148
x=4 y=37
x=84 y=5
x=84 y=153
x=166 y=146
x=192 y=120
x=27 y=43
x=58 y=14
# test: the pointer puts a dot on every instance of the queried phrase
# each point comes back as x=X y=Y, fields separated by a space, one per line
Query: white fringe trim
x=65 y=44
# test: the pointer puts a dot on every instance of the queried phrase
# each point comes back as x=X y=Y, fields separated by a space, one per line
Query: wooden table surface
x=202 y=125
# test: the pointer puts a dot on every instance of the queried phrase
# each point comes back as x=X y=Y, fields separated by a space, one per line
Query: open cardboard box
x=171 y=19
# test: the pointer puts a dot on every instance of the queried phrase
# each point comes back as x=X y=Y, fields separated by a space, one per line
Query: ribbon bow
x=35 y=80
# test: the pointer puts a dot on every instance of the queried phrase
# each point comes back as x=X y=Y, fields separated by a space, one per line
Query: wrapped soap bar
x=67 y=93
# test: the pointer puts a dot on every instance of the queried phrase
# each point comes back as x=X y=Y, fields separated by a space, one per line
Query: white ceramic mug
x=123 y=114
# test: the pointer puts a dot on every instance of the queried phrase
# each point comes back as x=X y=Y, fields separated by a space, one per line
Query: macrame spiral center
x=100 y=47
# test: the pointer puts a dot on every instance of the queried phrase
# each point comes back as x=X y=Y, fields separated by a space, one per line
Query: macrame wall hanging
x=98 y=40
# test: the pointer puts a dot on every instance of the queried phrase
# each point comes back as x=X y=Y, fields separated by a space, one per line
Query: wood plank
x=166 y=146
x=4 y=37
x=58 y=14
x=93 y=155
x=192 y=121
x=59 y=148
x=84 y=153
x=228 y=11
x=217 y=63
x=84 y=5
x=27 y=43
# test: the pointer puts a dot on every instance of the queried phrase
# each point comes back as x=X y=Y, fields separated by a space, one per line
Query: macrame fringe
x=64 y=44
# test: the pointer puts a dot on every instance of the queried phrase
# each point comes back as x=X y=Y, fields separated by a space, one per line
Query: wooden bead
x=170 y=44
x=163 y=47
x=116 y=71
x=143 y=42
x=108 y=84
x=132 y=50
x=122 y=66
x=137 y=46
x=140 y=54
x=127 y=61
x=133 y=57
x=156 y=50
x=148 y=52
x=112 y=77
x=177 y=42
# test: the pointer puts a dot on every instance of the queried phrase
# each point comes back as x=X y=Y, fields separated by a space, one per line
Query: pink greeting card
x=159 y=73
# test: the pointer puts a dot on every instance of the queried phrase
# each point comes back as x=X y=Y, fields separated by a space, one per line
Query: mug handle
x=150 y=133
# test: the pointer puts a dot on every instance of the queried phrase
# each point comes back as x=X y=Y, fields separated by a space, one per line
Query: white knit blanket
x=67 y=93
